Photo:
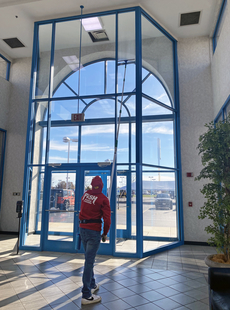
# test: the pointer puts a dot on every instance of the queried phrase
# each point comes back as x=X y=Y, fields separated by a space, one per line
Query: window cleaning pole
x=79 y=69
x=117 y=135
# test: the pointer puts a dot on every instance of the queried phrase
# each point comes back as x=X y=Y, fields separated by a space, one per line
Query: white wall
x=221 y=66
x=196 y=108
x=16 y=126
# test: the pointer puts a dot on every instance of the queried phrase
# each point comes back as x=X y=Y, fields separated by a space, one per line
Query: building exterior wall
x=196 y=109
x=16 y=142
x=221 y=65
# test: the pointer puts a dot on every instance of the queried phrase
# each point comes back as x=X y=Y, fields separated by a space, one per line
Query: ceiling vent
x=98 y=36
x=14 y=42
x=189 y=18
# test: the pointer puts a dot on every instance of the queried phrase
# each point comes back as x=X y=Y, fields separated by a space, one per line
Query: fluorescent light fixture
x=92 y=24
x=72 y=62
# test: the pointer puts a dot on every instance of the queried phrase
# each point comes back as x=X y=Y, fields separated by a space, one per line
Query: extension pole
x=117 y=134
x=79 y=68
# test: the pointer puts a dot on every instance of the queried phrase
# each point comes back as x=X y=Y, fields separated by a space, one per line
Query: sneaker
x=93 y=290
x=91 y=300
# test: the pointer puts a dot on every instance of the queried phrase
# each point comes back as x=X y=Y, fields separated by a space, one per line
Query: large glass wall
x=122 y=91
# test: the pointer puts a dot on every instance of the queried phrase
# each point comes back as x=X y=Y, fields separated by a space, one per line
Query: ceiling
x=17 y=17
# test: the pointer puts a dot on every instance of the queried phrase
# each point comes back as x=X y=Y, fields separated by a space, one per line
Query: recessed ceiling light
x=92 y=24
x=98 y=36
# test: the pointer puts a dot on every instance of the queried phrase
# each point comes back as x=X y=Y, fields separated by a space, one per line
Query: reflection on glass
x=3 y=67
x=61 y=205
x=34 y=208
x=126 y=51
x=151 y=108
x=121 y=216
x=227 y=110
x=83 y=76
x=66 y=55
x=153 y=88
x=97 y=143
x=157 y=57
x=159 y=208
x=41 y=189
x=43 y=70
x=123 y=144
x=158 y=143
x=62 y=110
x=60 y=150
x=133 y=207
x=126 y=78
x=39 y=138
x=100 y=108
x=125 y=212
x=129 y=106
x=110 y=70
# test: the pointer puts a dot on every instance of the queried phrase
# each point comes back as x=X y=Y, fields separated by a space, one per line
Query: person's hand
x=103 y=238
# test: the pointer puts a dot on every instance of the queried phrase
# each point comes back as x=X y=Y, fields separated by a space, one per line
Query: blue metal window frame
x=222 y=113
x=7 y=67
x=2 y=161
x=218 y=24
x=139 y=12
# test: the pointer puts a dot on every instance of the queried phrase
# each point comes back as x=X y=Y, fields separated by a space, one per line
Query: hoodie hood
x=97 y=185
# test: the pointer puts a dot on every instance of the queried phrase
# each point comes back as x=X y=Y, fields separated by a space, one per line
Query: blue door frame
x=81 y=171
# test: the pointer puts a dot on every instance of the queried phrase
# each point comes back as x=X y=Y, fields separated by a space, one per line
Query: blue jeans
x=91 y=241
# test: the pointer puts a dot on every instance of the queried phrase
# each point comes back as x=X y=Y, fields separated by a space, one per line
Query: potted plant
x=214 y=147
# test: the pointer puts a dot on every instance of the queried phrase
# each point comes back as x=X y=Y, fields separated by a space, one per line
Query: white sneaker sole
x=96 y=298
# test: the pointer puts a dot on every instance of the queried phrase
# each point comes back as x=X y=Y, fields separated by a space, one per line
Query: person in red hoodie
x=94 y=206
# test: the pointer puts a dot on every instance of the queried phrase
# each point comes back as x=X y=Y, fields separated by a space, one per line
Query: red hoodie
x=95 y=205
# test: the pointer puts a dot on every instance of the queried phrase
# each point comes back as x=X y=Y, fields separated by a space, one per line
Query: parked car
x=163 y=201
x=62 y=198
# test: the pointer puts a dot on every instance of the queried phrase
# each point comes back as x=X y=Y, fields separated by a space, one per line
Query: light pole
x=67 y=140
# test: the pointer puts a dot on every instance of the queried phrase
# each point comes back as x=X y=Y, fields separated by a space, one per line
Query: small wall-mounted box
x=189 y=174
x=16 y=194
x=190 y=204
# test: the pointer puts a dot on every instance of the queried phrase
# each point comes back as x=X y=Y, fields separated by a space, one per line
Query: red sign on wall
x=77 y=117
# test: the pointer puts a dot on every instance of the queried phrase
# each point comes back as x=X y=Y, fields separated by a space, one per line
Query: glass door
x=63 y=192
x=61 y=210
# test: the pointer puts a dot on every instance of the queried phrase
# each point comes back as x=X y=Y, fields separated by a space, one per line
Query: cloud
x=104 y=129
x=56 y=146
x=61 y=146
x=57 y=159
x=158 y=128
x=163 y=177
x=96 y=148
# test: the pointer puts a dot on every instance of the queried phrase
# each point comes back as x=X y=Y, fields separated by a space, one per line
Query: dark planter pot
x=210 y=263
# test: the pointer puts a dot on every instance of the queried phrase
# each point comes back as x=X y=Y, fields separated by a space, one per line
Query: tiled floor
x=176 y=279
